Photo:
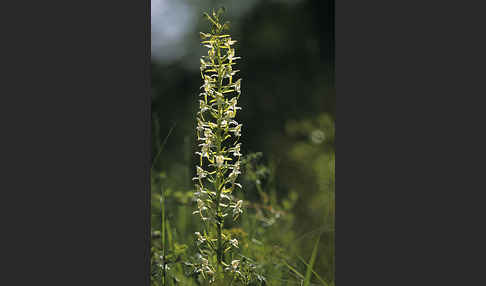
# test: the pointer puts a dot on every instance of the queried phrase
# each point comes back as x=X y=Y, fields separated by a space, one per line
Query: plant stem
x=219 y=217
x=162 y=202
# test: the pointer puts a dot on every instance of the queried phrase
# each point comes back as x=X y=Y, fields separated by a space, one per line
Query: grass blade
x=163 y=226
x=315 y=273
x=308 y=273
x=294 y=270
x=161 y=147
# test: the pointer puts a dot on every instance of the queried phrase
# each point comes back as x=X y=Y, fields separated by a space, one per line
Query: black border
x=148 y=151
x=409 y=81
x=75 y=143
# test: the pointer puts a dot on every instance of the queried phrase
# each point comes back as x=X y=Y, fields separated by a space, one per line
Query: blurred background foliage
x=288 y=113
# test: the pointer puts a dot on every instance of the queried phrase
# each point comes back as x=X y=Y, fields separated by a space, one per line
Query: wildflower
x=231 y=55
x=225 y=197
x=203 y=66
x=237 y=86
x=199 y=191
x=231 y=111
x=204 y=261
x=235 y=172
x=167 y=268
x=203 y=106
x=205 y=148
x=229 y=72
x=237 y=130
x=234 y=242
x=237 y=209
x=219 y=161
x=200 y=205
x=208 y=134
x=224 y=123
x=200 y=126
x=236 y=150
x=218 y=136
x=205 y=268
x=201 y=174
x=200 y=238
x=234 y=264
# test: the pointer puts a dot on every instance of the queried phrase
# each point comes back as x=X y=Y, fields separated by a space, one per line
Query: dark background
x=287 y=67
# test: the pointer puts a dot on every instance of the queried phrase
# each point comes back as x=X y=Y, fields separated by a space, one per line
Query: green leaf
x=312 y=260
x=317 y=275
x=204 y=35
x=293 y=270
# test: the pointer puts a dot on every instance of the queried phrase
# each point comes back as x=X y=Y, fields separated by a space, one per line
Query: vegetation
x=236 y=226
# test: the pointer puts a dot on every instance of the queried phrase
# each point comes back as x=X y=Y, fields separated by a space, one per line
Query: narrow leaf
x=308 y=273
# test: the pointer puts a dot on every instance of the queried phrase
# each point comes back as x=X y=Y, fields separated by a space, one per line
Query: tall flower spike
x=218 y=133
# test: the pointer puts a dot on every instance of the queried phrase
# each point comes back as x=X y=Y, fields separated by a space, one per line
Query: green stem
x=162 y=202
x=219 y=217
x=218 y=185
x=232 y=279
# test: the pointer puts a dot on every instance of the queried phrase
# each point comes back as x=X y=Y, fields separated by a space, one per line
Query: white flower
x=231 y=55
x=200 y=173
x=231 y=111
x=204 y=261
x=167 y=268
x=235 y=172
x=204 y=150
x=236 y=150
x=200 y=126
x=234 y=242
x=199 y=191
x=234 y=264
x=203 y=65
x=205 y=267
x=219 y=161
x=229 y=72
x=237 y=209
x=208 y=133
x=200 y=205
x=203 y=106
x=237 y=130
x=208 y=84
x=237 y=86
x=200 y=238
x=225 y=196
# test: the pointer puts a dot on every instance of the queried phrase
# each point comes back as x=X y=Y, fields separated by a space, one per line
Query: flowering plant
x=219 y=156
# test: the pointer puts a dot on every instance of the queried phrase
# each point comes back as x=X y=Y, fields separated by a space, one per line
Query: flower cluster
x=203 y=267
x=218 y=134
